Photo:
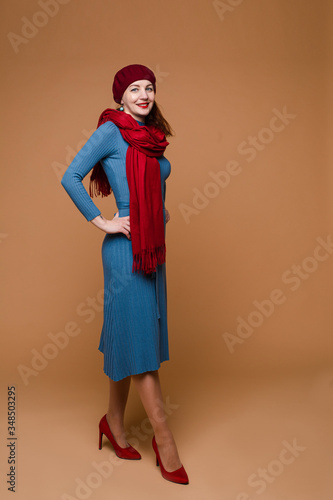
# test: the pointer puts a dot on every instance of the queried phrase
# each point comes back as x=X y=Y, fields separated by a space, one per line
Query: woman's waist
x=124 y=209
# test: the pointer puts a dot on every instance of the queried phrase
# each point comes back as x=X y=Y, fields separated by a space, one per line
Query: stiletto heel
x=177 y=476
x=128 y=453
x=100 y=438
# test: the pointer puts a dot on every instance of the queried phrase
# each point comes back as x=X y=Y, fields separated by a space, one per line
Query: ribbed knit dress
x=134 y=336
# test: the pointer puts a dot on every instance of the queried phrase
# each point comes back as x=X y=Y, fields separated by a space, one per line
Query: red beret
x=129 y=74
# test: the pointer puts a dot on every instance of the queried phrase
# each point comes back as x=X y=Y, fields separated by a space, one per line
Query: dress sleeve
x=101 y=144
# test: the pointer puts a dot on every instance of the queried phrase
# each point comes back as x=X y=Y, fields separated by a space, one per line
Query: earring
x=121 y=108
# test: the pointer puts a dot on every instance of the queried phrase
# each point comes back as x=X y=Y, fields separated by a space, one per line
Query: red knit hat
x=129 y=74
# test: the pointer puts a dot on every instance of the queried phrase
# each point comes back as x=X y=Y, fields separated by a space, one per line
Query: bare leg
x=117 y=402
x=149 y=389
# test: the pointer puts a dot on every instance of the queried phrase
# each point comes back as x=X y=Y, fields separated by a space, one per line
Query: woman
x=126 y=155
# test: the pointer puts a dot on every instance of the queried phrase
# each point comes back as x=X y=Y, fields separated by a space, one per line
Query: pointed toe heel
x=177 y=476
x=128 y=453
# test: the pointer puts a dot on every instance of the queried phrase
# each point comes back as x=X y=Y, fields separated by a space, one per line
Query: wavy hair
x=99 y=184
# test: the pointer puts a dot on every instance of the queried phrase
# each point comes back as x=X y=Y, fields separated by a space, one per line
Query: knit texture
x=134 y=337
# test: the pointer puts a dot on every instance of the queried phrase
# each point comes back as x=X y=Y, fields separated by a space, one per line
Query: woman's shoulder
x=108 y=133
x=108 y=128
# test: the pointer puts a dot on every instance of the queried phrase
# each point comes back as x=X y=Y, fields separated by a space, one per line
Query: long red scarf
x=146 y=143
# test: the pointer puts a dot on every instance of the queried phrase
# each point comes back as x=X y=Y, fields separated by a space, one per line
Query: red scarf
x=146 y=143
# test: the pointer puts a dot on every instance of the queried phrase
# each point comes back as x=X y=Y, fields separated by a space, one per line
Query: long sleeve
x=101 y=144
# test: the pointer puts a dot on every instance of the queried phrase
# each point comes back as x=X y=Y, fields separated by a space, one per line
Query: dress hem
x=116 y=379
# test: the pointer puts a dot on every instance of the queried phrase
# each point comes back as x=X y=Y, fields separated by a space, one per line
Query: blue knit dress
x=134 y=336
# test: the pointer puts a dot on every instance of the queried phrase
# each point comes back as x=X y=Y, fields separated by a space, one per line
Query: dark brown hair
x=99 y=184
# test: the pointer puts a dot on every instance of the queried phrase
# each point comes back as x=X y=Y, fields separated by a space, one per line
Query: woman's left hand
x=167 y=216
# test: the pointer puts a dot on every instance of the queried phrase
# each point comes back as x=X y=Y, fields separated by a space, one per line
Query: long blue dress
x=134 y=336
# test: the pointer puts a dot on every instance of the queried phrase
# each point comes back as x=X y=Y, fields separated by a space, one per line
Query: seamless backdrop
x=246 y=86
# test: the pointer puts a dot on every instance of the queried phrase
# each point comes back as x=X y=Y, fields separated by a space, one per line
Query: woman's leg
x=117 y=402
x=149 y=389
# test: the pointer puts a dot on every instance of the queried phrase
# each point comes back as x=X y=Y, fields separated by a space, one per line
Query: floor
x=249 y=437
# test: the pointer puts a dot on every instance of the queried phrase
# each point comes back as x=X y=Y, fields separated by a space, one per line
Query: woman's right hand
x=116 y=225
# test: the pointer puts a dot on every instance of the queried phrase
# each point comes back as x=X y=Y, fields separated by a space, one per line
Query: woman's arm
x=101 y=144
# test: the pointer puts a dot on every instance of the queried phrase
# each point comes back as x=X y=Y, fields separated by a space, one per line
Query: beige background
x=224 y=70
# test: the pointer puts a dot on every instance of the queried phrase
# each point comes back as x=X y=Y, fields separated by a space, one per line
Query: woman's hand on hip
x=116 y=225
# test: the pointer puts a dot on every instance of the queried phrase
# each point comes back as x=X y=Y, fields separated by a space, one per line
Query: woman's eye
x=148 y=89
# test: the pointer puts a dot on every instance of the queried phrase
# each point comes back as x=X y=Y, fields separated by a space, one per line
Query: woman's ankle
x=164 y=436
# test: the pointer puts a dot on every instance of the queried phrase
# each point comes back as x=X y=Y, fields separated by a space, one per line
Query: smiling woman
x=125 y=155
x=138 y=99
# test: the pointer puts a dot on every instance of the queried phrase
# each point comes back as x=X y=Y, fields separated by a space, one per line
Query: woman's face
x=138 y=99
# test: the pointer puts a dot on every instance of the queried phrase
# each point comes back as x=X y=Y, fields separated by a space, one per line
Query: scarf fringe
x=99 y=184
x=147 y=260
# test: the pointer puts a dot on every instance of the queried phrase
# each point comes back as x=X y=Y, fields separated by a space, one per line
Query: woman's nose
x=144 y=94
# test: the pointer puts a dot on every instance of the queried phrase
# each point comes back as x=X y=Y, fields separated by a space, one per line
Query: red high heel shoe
x=128 y=453
x=177 y=476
